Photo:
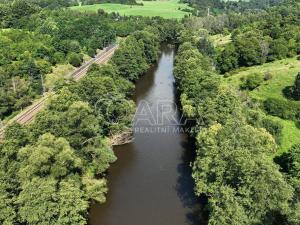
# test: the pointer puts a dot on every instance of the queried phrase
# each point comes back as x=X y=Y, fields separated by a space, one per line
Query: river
x=151 y=184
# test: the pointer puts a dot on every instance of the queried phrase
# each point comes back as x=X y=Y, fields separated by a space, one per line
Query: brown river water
x=151 y=184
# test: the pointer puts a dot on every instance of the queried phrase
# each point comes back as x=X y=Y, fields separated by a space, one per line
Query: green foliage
x=251 y=82
x=235 y=155
x=95 y=189
x=290 y=164
x=296 y=88
x=228 y=59
x=52 y=4
x=60 y=154
x=258 y=119
x=50 y=37
x=232 y=166
x=49 y=156
x=130 y=58
x=8 y=212
x=20 y=9
x=33 y=192
x=291 y=161
x=253 y=40
x=72 y=202
x=249 y=47
x=46 y=38
x=192 y=71
x=279 y=49
x=63 y=155
x=206 y=47
x=228 y=211
x=75 y=59
x=112 y=110
x=57 y=167
x=151 y=45
x=63 y=202
x=282 y=108
x=188 y=60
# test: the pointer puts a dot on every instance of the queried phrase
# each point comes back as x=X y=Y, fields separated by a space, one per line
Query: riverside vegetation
x=52 y=169
x=238 y=167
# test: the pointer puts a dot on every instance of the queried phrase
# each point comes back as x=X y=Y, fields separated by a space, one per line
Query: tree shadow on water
x=197 y=215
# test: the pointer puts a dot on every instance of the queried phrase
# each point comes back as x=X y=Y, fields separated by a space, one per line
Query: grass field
x=283 y=74
x=290 y=134
x=167 y=9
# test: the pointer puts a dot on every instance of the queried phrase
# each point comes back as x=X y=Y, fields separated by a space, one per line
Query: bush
x=274 y=128
x=205 y=47
x=293 y=92
x=278 y=50
x=59 y=58
x=298 y=57
x=91 y=52
x=296 y=88
x=282 y=108
x=251 y=82
x=260 y=120
x=75 y=59
x=268 y=76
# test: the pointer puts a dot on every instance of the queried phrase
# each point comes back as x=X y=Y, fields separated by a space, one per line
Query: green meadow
x=167 y=9
x=283 y=74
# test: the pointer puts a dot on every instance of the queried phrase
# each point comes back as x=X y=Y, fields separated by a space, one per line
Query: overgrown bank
x=53 y=168
x=233 y=168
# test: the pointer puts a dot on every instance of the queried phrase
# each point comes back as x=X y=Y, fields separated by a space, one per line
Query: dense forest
x=54 y=168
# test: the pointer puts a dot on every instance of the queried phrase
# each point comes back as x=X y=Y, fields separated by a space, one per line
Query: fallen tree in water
x=122 y=138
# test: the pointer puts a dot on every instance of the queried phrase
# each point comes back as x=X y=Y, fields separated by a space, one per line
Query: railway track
x=28 y=115
x=102 y=58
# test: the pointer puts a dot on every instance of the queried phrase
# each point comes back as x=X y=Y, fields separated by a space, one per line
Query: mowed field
x=283 y=74
x=167 y=9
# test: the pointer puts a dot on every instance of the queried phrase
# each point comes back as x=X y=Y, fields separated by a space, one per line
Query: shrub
x=259 y=119
x=75 y=59
x=293 y=92
x=296 y=88
x=282 y=108
x=59 y=58
x=251 y=82
x=268 y=76
x=274 y=128
x=91 y=52
x=278 y=49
